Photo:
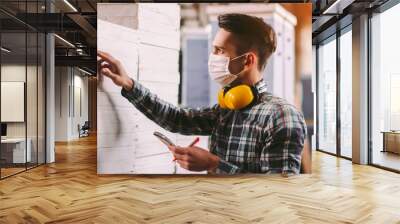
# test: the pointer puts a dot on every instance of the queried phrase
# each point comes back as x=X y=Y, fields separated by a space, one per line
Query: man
x=264 y=136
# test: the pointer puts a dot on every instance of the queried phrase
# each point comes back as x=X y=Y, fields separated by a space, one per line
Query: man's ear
x=251 y=59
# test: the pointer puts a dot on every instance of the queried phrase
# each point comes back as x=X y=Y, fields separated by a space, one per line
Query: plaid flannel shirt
x=267 y=137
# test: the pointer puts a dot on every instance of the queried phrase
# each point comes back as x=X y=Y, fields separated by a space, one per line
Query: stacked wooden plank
x=116 y=118
x=146 y=39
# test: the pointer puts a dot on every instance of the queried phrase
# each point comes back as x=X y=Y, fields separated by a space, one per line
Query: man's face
x=225 y=44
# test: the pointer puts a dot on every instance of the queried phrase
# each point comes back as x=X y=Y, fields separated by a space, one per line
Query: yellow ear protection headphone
x=240 y=96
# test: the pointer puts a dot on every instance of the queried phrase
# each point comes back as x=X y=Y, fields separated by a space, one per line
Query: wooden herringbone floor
x=69 y=191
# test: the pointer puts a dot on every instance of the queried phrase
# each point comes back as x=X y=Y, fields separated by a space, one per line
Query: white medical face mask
x=218 y=68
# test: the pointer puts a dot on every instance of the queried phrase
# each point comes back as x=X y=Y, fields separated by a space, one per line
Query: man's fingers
x=181 y=157
x=183 y=164
x=106 y=65
x=107 y=72
x=177 y=150
x=107 y=57
x=180 y=150
x=179 y=153
x=171 y=148
x=103 y=54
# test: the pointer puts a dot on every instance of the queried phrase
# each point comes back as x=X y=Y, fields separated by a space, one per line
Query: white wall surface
x=71 y=92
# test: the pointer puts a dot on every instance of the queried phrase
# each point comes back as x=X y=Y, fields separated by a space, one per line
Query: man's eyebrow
x=219 y=47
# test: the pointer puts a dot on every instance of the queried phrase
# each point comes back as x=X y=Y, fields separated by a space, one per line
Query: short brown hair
x=250 y=32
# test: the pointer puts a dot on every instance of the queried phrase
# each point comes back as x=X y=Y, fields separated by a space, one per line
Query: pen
x=196 y=140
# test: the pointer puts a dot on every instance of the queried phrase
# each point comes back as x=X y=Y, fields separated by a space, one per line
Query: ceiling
x=72 y=20
x=331 y=15
x=75 y=21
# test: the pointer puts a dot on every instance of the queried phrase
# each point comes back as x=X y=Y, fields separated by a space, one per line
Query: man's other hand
x=194 y=158
x=112 y=68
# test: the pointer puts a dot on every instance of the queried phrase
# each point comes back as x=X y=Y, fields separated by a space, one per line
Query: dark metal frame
x=0 y=89
x=338 y=98
x=45 y=90
x=369 y=97
x=316 y=97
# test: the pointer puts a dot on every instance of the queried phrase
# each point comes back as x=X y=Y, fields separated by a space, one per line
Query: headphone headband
x=261 y=86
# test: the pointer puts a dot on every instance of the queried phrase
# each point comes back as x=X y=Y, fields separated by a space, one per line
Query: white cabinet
x=15 y=148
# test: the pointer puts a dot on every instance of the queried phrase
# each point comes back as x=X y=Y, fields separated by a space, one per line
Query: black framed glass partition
x=385 y=88
x=345 y=108
x=22 y=77
x=382 y=69
x=13 y=87
x=334 y=93
x=326 y=96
